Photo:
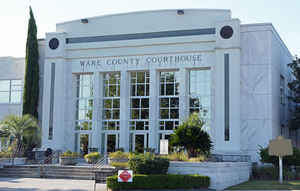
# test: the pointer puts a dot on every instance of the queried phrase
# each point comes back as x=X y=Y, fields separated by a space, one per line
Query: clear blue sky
x=14 y=16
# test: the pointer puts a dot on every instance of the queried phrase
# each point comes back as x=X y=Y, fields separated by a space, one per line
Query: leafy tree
x=294 y=86
x=20 y=129
x=192 y=137
x=31 y=85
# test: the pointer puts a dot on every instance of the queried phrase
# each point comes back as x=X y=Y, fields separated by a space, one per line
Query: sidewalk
x=38 y=184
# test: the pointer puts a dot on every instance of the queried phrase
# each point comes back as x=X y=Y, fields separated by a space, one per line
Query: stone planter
x=222 y=174
x=67 y=161
x=10 y=161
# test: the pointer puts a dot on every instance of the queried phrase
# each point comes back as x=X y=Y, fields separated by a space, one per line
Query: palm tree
x=20 y=129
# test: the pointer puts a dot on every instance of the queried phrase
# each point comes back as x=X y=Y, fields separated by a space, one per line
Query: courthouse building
x=128 y=80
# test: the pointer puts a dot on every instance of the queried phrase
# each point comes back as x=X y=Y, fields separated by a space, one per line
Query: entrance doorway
x=139 y=142
x=110 y=142
x=84 y=144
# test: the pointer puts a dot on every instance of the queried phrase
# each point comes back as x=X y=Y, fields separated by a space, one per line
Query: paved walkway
x=38 y=184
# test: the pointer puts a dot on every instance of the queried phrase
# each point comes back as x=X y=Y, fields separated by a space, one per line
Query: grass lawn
x=267 y=185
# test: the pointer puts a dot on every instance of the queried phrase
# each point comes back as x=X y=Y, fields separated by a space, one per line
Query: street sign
x=164 y=146
x=280 y=147
x=125 y=175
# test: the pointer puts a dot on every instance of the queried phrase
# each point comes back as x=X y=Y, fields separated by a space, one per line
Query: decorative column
x=95 y=126
x=183 y=94
x=124 y=108
x=153 y=109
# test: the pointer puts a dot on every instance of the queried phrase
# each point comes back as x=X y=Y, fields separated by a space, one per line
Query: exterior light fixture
x=180 y=12
x=84 y=21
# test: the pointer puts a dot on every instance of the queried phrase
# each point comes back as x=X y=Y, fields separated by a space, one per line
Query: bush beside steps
x=170 y=181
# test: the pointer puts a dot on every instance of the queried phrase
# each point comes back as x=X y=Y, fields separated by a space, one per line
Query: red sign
x=125 y=176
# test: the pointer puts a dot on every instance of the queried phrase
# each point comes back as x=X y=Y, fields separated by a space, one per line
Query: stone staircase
x=55 y=171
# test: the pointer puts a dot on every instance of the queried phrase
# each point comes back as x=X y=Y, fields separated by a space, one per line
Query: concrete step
x=54 y=171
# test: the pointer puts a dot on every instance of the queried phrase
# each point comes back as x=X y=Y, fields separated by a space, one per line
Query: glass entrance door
x=84 y=144
x=112 y=142
x=138 y=142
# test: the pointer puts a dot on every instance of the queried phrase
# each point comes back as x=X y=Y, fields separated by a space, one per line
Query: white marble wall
x=262 y=54
x=222 y=174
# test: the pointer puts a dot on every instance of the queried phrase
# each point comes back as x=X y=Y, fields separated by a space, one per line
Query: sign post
x=280 y=147
x=164 y=147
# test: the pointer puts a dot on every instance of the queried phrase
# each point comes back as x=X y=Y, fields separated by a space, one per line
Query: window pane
x=169 y=125
x=139 y=125
x=164 y=114
x=16 y=88
x=133 y=92
x=107 y=114
x=174 y=114
x=147 y=90
x=116 y=103
x=140 y=90
x=145 y=103
x=108 y=103
x=162 y=89
x=164 y=102
x=140 y=77
x=4 y=85
x=112 y=91
x=134 y=114
x=16 y=97
x=135 y=103
x=174 y=102
x=144 y=114
x=16 y=82
x=4 y=97
x=170 y=89
x=170 y=77
x=116 y=114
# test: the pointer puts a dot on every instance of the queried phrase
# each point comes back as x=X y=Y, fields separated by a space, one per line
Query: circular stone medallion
x=53 y=43
x=226 y=32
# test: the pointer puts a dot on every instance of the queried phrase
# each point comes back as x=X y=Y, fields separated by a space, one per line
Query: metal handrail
x=101 y=162
x=43 y=166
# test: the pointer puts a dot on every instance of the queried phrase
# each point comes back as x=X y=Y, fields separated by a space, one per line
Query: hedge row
x=170 y=181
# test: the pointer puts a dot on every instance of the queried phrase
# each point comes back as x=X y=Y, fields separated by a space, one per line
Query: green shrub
x=92 y=157
x=287 y=160
x=178 y=156
x=119 y=155
x=270 y=173
x=122 y=165
x=148 y=164
x=69 y=154
x=5 y=154
x=169 y=181
x=191 y=135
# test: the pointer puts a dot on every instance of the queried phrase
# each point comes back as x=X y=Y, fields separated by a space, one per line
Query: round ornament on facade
x=53 y=43
x=226 y=32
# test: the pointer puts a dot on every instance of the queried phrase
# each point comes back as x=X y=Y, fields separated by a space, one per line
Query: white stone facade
x=222 y=174
x=242 y=73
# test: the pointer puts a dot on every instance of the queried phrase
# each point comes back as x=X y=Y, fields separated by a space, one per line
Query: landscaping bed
x=170 y=181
